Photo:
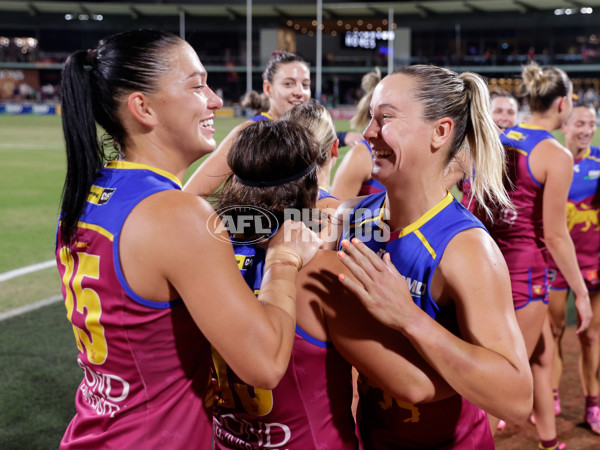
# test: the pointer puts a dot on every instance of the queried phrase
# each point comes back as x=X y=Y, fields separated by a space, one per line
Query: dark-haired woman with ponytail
x=148 y=273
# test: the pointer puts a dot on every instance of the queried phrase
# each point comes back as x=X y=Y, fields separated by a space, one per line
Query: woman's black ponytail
x=84 y=156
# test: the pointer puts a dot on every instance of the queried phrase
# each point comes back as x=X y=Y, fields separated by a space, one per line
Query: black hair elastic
x=279 y=182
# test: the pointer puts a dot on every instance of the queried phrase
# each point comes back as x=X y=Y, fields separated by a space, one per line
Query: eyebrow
x=389 y=106
x=199 y=73
x=294 y=79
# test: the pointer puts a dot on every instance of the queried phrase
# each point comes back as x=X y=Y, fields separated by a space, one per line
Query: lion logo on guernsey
x=585 y=215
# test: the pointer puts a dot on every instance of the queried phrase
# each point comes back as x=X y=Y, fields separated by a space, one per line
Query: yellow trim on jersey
x=325 y=189
x=373 y=219
x=531 y=127
x=266 y=114
x=586 y=153
x=131 y=165
x=427 y=216
x=425 y=243
x=103 y=231
x=522 y=152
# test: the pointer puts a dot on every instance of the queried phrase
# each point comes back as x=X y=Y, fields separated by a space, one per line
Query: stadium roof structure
x=236 y=9
x=452 y=16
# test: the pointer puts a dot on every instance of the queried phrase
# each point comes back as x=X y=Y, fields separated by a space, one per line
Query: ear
x=139 y=108
x=561 y=104
x=267 y=88
x=335 y=148
x=441 y=132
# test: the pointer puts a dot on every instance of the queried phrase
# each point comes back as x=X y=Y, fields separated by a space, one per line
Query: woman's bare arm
x=552 y=165
x=354 y=169
x=214 y=170
x=174 y=245
x=328 y=311
x=488 y=365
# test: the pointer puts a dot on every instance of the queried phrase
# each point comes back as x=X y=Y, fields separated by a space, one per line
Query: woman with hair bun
x=538 y=178
x=258 y=103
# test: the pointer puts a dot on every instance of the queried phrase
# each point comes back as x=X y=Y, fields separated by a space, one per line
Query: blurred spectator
x=48 y=92
x=591 y=96
x=26 y=92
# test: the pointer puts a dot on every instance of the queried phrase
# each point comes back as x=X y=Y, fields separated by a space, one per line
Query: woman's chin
x=380 y=175
x=382 y=168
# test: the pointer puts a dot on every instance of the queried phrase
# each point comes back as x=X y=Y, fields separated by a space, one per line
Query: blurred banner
x=32 y=109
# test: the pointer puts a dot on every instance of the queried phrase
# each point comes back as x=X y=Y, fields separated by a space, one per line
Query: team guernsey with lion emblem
x=583 y=210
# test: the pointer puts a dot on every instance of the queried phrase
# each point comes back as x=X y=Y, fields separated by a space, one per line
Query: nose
x=214 y=101
x=371 y=130
x=298 y=90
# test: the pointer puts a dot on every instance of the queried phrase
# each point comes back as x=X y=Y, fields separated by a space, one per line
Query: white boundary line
x=23 y=271
x=27 y=269
x=25 y=309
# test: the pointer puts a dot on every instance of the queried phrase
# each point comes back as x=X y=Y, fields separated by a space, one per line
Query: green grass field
x=38 y=370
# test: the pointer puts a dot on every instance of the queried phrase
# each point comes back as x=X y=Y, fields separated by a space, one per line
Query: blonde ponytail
x=484 y=147
x=362 y=117
x=465 y=99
